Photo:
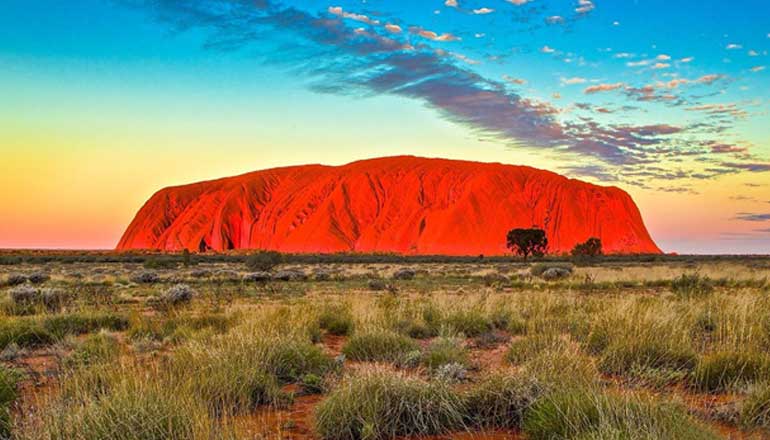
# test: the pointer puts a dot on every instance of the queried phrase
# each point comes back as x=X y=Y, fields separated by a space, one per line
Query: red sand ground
x=404 y=204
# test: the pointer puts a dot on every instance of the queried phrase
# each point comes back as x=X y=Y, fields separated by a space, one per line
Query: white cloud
x=573 y=80
x=585 y=6
x=451 y=3
x=757 y=68
x=658 y=66
x=554 y=19
x=393 y=28
x=547 y=49
x=687 y=59
x=337 y=10
x=603 y=88
x=733 y=46
x=708 y=79
x=513 y=80
x=663 y=57
x=753 y=53
x=483 y=11
x=430 y=35
x=518 y=2
x=637 y=63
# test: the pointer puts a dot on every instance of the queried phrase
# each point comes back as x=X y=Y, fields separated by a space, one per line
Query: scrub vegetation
x=196 y=347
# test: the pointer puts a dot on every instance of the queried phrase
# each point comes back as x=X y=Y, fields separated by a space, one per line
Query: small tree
x=264 y=260
x=526 y=242
x=591 y=248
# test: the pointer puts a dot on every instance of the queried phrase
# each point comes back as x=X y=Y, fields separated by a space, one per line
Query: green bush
x=264 y=261
x=378 y=346
x=380 y=404
x=718 y=371
x=538 y=269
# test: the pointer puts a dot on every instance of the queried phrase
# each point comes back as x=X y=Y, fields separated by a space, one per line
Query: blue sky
x=668 y=100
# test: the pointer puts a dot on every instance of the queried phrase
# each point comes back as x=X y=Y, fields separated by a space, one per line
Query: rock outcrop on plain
x=403 y=204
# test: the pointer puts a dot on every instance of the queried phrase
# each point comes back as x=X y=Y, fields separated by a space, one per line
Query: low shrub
x=721 y=370
x=692 y=286
x=539 y=269
x=258 y=277
x=452 y=372
x=54 y=299
x=378 y=346
x=145 y=277
x=290 y=275
x=379 y=404
x=15 y=279
x=39 y=278
x=177 y=295
x=404 y=274
x=377 y=285
x=24 y=295
x=264 y=261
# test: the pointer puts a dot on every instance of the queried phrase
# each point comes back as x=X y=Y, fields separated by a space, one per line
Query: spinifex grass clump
x=471 y=322
x=641 y=337
x=443 y=351
x=378 y=346
x=382 y=404
x=588 y=413
x=755 y=409
x=237 y=372
x=521 y=350
x=501 y=400
x=9 y=380
x=692 y=286
x=100 y=347
x=337 y=320
x=721 y=370
x=133 y=408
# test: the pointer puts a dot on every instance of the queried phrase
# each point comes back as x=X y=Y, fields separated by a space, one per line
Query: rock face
x=402 y=204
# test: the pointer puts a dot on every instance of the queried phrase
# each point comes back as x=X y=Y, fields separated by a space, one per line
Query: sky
x=107 y=101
